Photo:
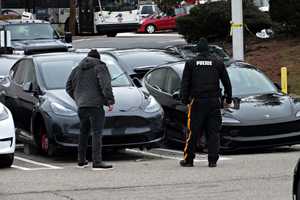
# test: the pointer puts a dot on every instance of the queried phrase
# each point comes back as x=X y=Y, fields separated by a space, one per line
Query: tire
x=150 y=28
x=6 y=160
x=111 y=34
x=46 y=146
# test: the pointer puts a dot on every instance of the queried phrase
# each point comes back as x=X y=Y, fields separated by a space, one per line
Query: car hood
x=40 y=46
x=262 y=108
x=128 y=99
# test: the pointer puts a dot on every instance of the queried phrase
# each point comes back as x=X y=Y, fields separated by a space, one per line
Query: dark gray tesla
x=46 y=116
x=262 y=115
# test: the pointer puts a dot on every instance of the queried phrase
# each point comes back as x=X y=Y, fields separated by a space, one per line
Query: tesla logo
x=267 y=116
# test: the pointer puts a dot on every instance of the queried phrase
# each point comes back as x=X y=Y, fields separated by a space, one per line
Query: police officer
x=200 y=90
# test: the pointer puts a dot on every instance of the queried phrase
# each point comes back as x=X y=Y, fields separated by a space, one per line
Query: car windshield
x=31 y=31
x=120 y=5
x=140 y=59
x=249 y=81
x=55 y=72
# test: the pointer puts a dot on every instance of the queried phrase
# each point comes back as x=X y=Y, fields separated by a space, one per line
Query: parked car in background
x=158 y=22
x=35 y=36
x=189 y=51
x=7 y=137
x=147 y=10
x=262 y=115
x=137 y=62
x=35 y=87
x=296 y=182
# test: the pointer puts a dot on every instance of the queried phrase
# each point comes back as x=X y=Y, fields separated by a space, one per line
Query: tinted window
x=247 y=81
x=120 y=5
x=29 y=72
x=147 y=10
x=173 y=82
x=18 y=76
x=31 y=31
x=6 y=64
x=157 y=78
x=139 y=59
x=55 y=72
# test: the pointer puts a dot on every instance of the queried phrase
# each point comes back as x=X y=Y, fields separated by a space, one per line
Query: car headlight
x=298 y=114
x=61 y=110
x=3 y=113
x=153 y=106
x=229 y=120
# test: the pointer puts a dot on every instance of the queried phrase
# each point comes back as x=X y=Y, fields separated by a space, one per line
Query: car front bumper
x=286 y=133
x=116 y=28
x=119 y=131
x=7 y=135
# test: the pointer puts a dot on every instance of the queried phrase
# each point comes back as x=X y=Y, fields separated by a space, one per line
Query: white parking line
x=36 y=163
x=202 y=158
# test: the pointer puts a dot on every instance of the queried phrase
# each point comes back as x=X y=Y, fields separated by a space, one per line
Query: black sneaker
x=82 y=165
x=184 y=163
x=101 y=166
x=212 y=164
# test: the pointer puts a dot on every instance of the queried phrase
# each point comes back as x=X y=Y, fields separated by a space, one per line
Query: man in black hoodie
x=89 y=84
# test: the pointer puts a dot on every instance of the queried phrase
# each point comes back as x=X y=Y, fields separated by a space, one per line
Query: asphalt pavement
x=154 y=174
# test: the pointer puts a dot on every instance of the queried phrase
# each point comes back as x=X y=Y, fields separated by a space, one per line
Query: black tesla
x=261 y=116
x=137 y=62
x=46 y=116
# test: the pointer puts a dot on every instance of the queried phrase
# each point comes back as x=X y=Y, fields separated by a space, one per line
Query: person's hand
x=110 y=108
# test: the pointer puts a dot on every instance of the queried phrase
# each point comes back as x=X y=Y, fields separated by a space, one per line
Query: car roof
x=20 y=21
x=137 y=50
x=179 y=66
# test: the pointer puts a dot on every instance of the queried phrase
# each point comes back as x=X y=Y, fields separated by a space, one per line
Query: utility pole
x=72 y=19
x=237 y=29
x=0 y=7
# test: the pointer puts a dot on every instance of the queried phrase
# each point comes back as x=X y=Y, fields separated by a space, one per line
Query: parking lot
x=154 y=174
x=150 y=174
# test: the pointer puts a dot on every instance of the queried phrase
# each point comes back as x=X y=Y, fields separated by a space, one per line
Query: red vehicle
x=160 y=22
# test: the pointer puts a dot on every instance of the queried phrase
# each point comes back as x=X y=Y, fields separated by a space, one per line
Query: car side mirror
x=68 y=37
x=27 y=87
x=137 y=82
x=176 y=95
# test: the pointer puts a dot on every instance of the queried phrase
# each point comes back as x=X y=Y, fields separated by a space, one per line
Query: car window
x=249 y=81
x=55 y=76
x=31 y=31
x=151 y=58
x=18 y=75
x=157 y=78
x=147 y=10
x=172 y=83
x=29 y=72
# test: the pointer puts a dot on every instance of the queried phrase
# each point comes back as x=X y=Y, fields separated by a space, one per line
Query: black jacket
x=201 y=79
x=89 y=84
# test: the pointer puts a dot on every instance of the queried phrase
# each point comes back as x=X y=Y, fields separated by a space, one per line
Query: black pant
x=204 y=116
x=91 y=122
